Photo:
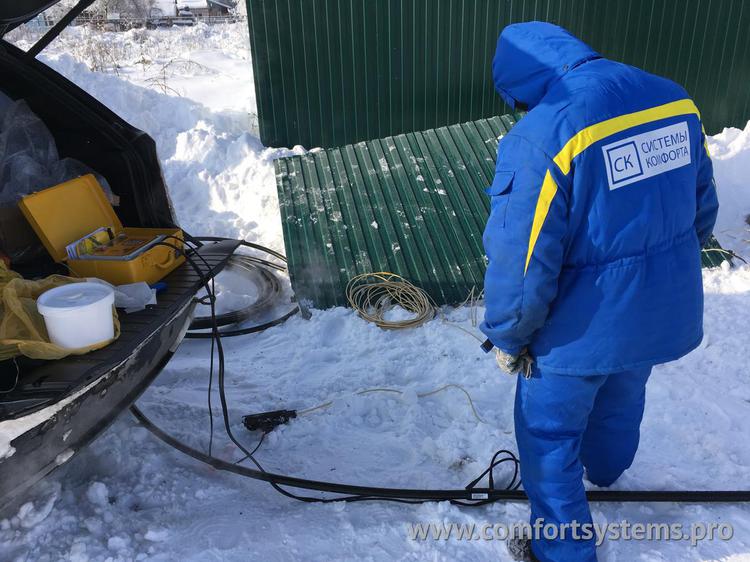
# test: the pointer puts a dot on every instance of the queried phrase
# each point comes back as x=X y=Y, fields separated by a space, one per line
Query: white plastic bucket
x=78 y=315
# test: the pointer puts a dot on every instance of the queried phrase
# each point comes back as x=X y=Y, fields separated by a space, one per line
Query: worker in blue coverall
x=602 y=198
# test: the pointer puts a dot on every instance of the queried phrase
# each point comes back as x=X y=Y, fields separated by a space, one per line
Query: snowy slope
x=128 y=497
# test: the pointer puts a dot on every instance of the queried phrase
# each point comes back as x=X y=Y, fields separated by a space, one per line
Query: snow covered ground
x=129 y=497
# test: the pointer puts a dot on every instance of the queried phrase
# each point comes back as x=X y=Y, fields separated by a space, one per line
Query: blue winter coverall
x=602 y=198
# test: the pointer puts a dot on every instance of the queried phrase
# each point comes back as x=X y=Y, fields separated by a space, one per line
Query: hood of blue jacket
x=532 y=56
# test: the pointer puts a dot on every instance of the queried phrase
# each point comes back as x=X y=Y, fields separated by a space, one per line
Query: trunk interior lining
x=45 y=382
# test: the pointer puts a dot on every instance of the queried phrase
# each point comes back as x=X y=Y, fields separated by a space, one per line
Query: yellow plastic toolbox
x=69 y=211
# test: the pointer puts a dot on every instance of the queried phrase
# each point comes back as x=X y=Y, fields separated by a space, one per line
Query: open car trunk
x=57 y=407
x=60 y=406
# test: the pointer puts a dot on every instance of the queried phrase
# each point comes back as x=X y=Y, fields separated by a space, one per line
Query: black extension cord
x=471 y=495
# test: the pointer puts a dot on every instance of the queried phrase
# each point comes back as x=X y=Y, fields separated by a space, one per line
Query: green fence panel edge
x=334 y=72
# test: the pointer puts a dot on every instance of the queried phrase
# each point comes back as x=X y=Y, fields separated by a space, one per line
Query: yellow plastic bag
x=22 y=330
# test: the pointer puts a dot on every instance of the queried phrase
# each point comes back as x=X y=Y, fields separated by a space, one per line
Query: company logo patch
x=646 y=155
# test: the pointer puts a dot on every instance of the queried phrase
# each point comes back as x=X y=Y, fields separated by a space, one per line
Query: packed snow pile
x=730 y=151
x=128 y=497
x=192 y=90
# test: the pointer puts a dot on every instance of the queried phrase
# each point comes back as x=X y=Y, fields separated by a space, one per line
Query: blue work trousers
x=565 y=424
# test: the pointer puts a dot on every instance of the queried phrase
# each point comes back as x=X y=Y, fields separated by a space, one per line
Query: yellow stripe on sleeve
x=546 y=195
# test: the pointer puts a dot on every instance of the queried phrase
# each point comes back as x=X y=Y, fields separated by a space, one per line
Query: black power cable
x=267 y=283
x=210 y=294
x=245 y=331
x=272 y=479
x=480 y=496
x=270 y=290
x=470 y=496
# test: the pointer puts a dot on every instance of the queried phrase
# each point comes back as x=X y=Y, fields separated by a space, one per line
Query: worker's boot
x=520 y=549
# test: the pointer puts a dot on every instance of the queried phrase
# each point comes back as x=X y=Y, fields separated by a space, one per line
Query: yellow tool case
x=72 y=210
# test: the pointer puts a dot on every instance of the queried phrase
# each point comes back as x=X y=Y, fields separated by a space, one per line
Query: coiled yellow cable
x=373 y=295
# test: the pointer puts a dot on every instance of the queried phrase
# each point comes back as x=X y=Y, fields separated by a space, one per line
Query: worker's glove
x=514 y=364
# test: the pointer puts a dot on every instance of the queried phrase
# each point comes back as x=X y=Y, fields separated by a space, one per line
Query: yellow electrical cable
x=373 y=295
x=401 y=392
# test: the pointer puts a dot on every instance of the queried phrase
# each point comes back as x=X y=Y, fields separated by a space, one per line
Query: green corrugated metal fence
x=413 y=204
x=332 y=72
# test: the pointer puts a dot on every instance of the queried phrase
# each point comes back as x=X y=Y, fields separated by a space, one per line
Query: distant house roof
x=198 y=4
x=228 y=4
x=167 y=6
x=192 y=4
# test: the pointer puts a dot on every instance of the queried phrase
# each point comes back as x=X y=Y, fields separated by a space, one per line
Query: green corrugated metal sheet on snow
x=713 y=254
x=333 y=72
x=412 y=204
